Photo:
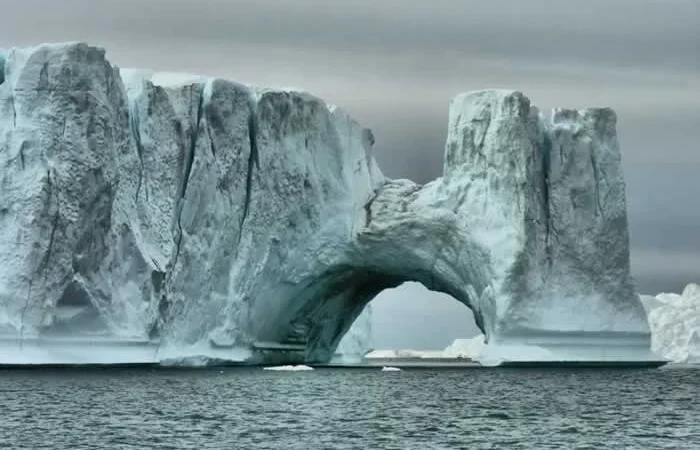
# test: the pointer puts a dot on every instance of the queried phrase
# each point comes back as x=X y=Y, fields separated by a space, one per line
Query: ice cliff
x=204 y=212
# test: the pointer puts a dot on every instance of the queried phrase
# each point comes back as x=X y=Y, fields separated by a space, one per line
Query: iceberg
x=469 y=348
x=675 y=324
x=189 y=212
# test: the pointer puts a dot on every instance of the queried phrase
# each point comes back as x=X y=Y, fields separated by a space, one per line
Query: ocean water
x=350 y=409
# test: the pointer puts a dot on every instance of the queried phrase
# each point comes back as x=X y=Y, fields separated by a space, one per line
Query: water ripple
x=349 y=409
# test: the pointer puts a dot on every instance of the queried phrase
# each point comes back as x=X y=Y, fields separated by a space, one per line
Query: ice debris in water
x=390 y=369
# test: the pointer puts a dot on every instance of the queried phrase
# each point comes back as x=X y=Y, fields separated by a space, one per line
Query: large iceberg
x=194 y=212
x=675 y=324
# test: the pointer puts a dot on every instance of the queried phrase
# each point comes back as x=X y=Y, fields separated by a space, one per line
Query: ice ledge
x=575 y=349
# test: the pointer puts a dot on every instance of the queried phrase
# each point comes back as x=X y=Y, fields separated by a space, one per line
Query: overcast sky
x=396 y=64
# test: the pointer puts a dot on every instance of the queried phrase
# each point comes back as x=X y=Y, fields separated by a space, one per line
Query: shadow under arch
x=326 y=307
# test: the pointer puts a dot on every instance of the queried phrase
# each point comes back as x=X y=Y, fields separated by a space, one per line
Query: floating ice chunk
x=390 y=369
x=295 y=368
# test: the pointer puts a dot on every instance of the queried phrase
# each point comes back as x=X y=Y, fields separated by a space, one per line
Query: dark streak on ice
x=189 y=160
x=546 y=186
x=42 y=268
x=136 y=133
x=14 y=111
x=21 y=153
x=368 y=207
x=253 y=162
x=599 y=210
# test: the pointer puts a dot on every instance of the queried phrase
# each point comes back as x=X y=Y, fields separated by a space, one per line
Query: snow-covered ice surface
x=403 y=354
x=204 y=213
x=290 y=368
x=465 y=348
x=675 y=324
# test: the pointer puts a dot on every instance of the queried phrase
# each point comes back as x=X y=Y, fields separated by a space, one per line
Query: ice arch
x=527 y=228
x=201 y=211
x=391 y=319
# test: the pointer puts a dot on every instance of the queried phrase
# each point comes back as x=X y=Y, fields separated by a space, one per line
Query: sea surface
x=443 y=408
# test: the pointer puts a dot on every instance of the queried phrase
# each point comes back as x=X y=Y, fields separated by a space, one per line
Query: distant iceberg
x=465 y=348
x=469 y=348
x=357 y=342
x=675 y=324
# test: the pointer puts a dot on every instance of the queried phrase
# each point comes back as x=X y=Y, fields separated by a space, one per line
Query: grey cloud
x=640 y=33
x=664 y=271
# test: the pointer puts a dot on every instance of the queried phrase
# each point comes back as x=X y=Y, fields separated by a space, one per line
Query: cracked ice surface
x=190 y=212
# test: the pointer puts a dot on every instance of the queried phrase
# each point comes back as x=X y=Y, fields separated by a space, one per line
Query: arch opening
x=326 y=308
x=407 y=321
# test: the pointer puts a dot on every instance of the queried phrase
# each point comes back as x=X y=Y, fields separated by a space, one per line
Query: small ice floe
x=297 y=368
x=390 y=369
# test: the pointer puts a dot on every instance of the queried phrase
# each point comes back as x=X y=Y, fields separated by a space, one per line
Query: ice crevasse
x=196 y=212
